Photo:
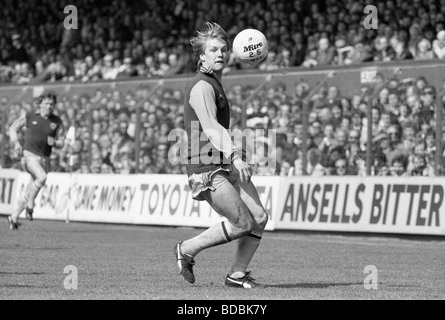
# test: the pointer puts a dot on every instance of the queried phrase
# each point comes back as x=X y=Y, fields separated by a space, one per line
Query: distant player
x=44 y=130
x=225 y=186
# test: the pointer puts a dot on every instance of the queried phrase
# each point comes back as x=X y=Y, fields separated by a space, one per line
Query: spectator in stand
x=383 y=145
x=55 y=163
x=399 y=165
x=345 y=123
x=424 y=51
x=340 y=138
x=311 y=58
x=328 y=139
x=121 y=145
x=393 y=106
x=325 y=52
x=23 y=73
x=18 y=53
x=386 y=118
x=402 y=52
x=375 y=119
x=127 y=69
x=353 y=150
x=124 y=164
x=335 y=153
x=359 y=53
x=356 y=120
x=439 y=45
x=271 y=62
x=427 y=111
x=175 y=65
x=408 y=137
x=109 y=71
x=415 y=36
x=337 y=114
x=150 y=67
x=96 y=158
x=383 y=51
x=106 y=148
x=55 y=70
x=298 y=50
x=341 y=167
x=420 y=83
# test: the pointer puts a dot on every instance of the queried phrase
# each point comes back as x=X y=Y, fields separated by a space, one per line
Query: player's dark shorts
x=211 y=180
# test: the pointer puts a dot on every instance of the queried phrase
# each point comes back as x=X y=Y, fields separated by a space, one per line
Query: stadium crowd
x=403 y=122
x=403 y=129
x=149 y=38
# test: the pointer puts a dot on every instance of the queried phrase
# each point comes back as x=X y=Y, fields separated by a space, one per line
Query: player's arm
x=203 y=102
x=13 y=132
x=59 y=140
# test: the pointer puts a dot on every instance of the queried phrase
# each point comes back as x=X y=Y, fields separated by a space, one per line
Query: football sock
x=213 y=236
x=34 y=189
x=19 y=207
x=247 y=247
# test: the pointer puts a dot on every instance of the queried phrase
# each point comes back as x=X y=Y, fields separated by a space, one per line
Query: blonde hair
x=213 y=31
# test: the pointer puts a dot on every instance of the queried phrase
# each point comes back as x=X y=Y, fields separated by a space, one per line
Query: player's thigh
x=226 y=201
x=249 y=195
x=35 y=168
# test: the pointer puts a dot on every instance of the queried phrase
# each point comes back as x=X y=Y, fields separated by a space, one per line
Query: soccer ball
x=250 y=46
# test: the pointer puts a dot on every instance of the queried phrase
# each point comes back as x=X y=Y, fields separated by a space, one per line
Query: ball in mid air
x=250 y=46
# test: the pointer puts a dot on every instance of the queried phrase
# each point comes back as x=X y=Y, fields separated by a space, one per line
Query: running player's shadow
x=314 y=285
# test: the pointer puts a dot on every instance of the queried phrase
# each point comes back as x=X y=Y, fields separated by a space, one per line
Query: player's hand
x=18 y=149
x=244 y=170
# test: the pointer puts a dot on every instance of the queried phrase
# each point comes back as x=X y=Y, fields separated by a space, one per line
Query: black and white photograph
x=224 y=158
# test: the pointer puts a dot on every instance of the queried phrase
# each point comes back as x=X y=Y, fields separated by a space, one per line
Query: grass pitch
x=137 y=262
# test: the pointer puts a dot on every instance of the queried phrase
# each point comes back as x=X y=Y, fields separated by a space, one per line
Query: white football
x=250 y=46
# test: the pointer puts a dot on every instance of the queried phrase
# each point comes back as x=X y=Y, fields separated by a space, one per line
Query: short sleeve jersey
x=37 y=133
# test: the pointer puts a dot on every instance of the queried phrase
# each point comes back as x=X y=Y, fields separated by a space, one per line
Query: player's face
x=47 y=106
x=215 y=54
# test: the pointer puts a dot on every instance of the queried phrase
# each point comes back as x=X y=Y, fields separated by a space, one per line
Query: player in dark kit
x=219 y=176
x=44 y=130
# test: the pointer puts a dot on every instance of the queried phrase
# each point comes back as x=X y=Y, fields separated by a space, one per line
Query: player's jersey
x=196 y=155
x=37 y=133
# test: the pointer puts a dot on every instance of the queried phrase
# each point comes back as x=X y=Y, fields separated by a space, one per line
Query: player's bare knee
x=40 y=181
x=243 y=226
x=247 y=226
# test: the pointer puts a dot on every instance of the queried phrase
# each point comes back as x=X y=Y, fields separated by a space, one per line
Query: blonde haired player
x=224 y=181
x=44 y=131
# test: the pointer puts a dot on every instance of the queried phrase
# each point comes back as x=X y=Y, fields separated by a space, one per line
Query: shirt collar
x=208 y=71
x=38 y=113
